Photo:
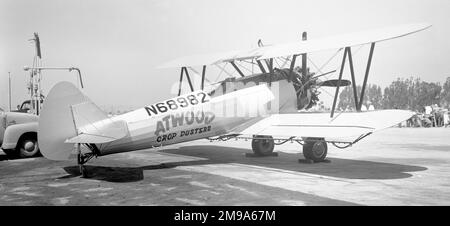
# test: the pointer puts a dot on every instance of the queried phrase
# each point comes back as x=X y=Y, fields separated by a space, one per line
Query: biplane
x=268 y=106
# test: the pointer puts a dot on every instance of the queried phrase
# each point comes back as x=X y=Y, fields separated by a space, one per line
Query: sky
x=118 y=44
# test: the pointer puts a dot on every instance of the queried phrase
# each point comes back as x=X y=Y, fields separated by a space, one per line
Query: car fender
x=14 y=132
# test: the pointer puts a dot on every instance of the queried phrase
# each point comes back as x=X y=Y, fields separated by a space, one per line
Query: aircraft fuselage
x=184 y=118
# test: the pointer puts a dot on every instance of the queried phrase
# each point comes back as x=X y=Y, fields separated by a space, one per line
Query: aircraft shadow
x=112 y=174
x=3 y=157
x=335 y=167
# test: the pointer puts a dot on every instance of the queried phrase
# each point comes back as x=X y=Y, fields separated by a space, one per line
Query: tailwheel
x=83 y=171
x=85 y=157
x=315 y=150
x=263 y=145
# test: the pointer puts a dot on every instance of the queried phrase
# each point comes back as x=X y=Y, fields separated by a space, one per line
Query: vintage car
x=18 y=134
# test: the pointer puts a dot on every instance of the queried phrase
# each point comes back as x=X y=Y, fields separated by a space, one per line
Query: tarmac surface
x=397 y=166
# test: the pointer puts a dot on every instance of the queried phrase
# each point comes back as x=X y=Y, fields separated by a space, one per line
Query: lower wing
x=345 y=127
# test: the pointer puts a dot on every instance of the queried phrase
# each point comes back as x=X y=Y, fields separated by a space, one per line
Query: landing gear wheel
x=28 y=147
x=315 y=150
x=263 y=145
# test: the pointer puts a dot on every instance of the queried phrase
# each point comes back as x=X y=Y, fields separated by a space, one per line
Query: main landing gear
x=263 y=145
x=314 y=149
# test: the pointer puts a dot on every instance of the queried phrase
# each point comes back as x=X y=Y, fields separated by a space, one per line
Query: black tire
x=263 y=145
x=84 y=172
x=11 y=153
x=28 y=146
x=315 y=150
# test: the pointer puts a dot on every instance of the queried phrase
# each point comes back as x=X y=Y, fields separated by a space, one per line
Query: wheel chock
x=309 y=161
x=253 y=155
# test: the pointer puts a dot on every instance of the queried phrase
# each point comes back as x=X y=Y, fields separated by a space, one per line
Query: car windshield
x=26 y=106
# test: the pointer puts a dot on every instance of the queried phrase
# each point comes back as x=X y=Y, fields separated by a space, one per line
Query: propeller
x=328 y=83
x=335 y=83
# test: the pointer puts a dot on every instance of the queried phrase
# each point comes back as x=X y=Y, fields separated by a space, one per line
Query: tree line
x=409 y=94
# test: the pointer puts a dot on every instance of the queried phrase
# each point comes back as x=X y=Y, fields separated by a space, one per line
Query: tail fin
x=69 y=117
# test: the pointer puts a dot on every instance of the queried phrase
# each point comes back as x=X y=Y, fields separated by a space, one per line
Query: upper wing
x=344 y=127
x=199 y=59
x=299 y=47
x=345 y=40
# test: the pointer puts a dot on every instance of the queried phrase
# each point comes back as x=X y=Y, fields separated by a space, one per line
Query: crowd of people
x=431 y=116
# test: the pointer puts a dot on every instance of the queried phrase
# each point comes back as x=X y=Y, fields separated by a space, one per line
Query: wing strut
x=203 y=76
x=183 y=71
x=352 y=73
x=181 y=81
x=369 y=62
x=269 y=64
x=261 y=67
x=291 y=68
x=338 y=84
x=358 y=104
x=237 y=69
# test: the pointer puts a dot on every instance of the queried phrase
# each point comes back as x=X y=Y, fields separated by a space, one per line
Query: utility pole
x=9 y=90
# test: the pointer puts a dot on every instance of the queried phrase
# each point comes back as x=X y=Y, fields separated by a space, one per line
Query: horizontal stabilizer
x=92 y=122
x=101 y=132
x=90 y=138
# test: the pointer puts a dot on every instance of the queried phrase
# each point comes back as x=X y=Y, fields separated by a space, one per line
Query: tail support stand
x=81 y=162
